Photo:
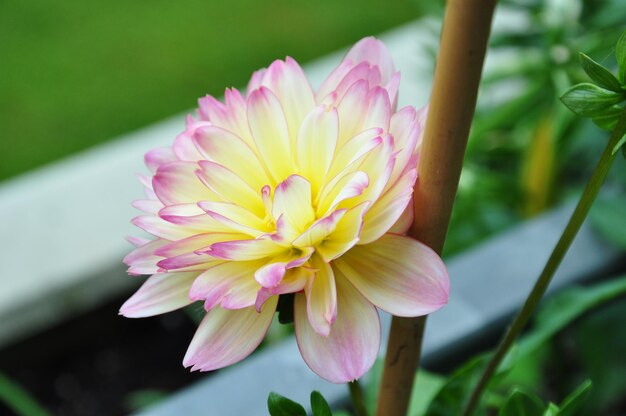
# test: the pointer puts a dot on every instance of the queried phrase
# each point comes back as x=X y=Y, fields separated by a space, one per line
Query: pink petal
x=352 y=345
x=378 y=113
x=183 y=145
x=225 y=337
x=374 y=52
x=340 y=189
x=177 y=183
x=243 y=250
x=288 y=82
x=388 y=208
x=230 y=116
x=231 y=187
x=161 y=228
x=229 y=150
x=159 y=156
x=354 y=150
x=406 y=130
x=321 y=296
x=294 y=281
x=193 y=217
x=149 y=206
x=270 y=132
x=345 y=235
x=255 y=81
x=398 y=274
x=143 y=259
x=319 y=230
x=352 y=108
x=316 y=143
x=235 y=218
x=230 y=284
x=271 y=275
x=160 y=293
x=404 y=223
x=292 y=200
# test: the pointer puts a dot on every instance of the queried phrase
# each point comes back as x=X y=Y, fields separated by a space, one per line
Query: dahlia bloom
x=287 y=190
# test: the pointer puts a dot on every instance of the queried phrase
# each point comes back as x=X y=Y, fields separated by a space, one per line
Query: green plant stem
x=18 y=399
x=565 y=241
x=356 y=395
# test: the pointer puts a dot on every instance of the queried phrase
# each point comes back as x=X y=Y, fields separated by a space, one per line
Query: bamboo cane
x=457 y=74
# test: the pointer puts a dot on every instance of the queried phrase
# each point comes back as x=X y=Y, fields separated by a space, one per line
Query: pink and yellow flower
x=290 y=190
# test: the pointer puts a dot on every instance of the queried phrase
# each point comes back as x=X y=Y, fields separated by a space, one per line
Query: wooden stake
x=457 y=74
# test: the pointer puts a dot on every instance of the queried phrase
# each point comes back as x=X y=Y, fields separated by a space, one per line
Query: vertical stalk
x=565 y=241
x=457 y=74
x=356 y=395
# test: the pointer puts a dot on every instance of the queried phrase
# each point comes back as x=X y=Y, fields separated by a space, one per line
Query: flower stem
x=457 y=74
x=356 y=395
x=578 y=217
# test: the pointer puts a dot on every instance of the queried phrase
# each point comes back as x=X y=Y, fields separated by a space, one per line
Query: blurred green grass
x=77 y=73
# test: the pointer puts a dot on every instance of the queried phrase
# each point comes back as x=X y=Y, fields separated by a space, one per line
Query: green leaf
x=139 y=399
x=599 y=74
x=575 y=400
x=609 y=117
x=620 y=144
x=564 y=307
x=18 y=399
x=319 y=405
x=425 y=387
x=551 y=410
x=620 y=56
x=589 y=100
x=455 y=392
x=608 y=217
x=282 y=406
x=522 y=403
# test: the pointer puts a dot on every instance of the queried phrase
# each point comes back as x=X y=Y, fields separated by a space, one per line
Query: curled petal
x=345 y=235
x=292 y=200
x=225 y=337
x=294 y=281
x=229 y=284
x=321 y=296
x=160 y=293
x=342 y=188
x=387 y=209
x=398 y=274
x=271 y=275
x=352 y=345
x=319 y=230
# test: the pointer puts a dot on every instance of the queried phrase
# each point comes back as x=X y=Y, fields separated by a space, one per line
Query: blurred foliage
x=15 y=398
x=74 y=74
x=141 y=399
x=529 y=368
x=526 y=151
